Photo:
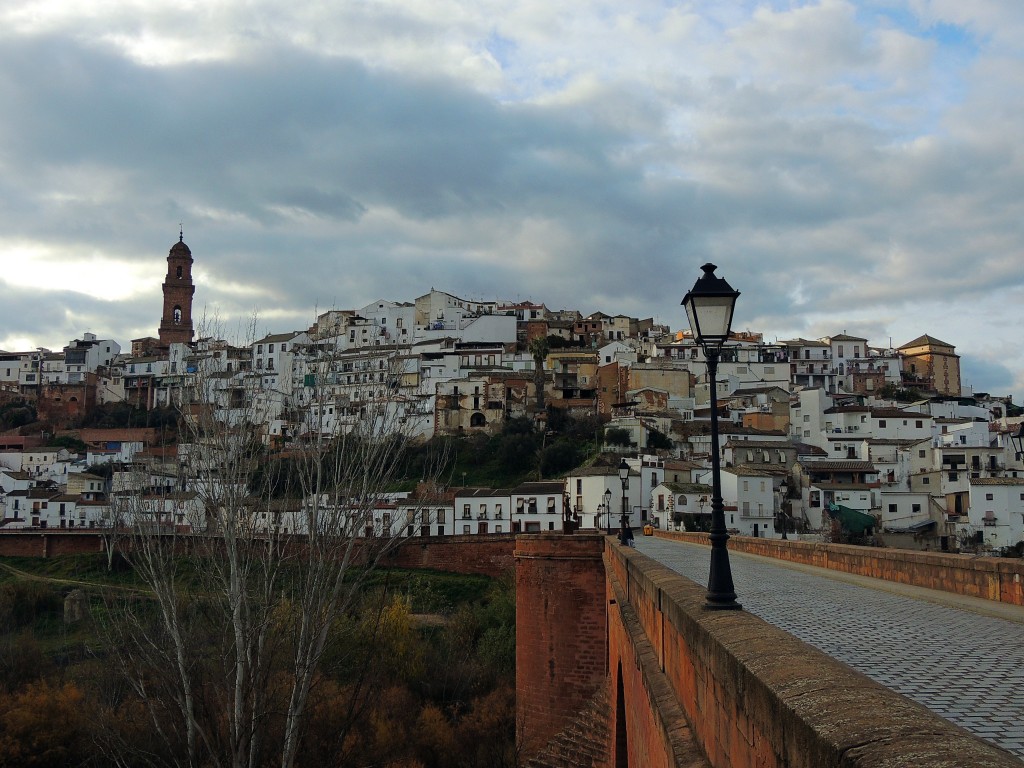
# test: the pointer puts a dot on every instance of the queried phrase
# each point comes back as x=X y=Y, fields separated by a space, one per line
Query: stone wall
x=992 y=578
x=756 y=696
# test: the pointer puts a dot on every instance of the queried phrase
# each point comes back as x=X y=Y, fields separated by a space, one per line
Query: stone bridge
x=620 y=665
x=683 y=686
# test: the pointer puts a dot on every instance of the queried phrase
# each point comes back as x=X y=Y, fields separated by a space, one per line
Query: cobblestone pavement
x=966 y=667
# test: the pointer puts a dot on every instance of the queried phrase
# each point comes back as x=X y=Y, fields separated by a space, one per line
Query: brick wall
x=756 y=696
x=49 y=543
x=992 y=578
x=561 y=645
x=487 y=554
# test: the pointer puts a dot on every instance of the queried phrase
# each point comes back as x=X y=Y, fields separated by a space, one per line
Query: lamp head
x=1018 y=439
x=709 y=307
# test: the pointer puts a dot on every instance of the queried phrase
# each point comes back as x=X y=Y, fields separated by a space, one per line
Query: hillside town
x=819 y=437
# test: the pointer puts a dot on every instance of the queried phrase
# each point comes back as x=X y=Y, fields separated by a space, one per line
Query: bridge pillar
x=561 y=632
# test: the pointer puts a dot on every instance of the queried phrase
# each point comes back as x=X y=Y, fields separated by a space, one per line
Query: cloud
x=848 y=165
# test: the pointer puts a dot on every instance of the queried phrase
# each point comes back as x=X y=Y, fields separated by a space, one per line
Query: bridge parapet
x=992 y=578
x=756 y=696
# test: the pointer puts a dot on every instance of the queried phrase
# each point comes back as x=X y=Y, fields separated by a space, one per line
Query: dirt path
x=73 y=582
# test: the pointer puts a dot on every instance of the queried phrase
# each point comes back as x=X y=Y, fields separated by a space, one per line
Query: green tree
x=617 y=436
x=658 y=441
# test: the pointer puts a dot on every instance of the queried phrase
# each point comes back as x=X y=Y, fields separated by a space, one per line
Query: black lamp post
x=624 y=479
x=784 y=489
x=608 y=508
x=1018 y=440
x=709 y=307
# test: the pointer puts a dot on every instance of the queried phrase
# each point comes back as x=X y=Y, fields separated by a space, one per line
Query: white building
x=997 y=510
x=537 y=506
x=749 y=499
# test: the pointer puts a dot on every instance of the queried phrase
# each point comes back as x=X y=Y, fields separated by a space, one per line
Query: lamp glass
x=709 y=307
x=1018 y=439
x=623 y=470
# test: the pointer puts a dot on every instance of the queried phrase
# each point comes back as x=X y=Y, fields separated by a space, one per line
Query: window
x=178 y=273
x=177 y=315
x=807 y=418
x=892 y=509
x=988 y=497
x=921 y=454
x=953 y=476
x=497 y=513
x=465 y=530
x=465 y=512
x=915 y=508
x=270 y=347
x=881 y=423
x=919 y=424
x=926 y=480
x=746 y=485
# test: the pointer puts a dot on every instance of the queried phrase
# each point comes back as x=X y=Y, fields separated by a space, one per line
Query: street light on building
x=624 y=479
x=709 y=308
x=608 y=508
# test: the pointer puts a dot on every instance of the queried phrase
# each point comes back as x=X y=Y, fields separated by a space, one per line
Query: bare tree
x=253 y=560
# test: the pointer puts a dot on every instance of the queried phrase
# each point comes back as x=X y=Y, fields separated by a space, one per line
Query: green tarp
x=852 y=520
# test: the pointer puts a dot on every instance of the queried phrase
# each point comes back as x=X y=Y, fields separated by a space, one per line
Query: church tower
x=176 y=321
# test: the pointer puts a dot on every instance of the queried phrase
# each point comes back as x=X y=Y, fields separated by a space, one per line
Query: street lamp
x=608 y=508
x=709 y=307
x=624 y=479
x=1018 y=440
x=784 y=489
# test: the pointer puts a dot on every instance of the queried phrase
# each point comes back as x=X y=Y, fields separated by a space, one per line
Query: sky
x=850 y=166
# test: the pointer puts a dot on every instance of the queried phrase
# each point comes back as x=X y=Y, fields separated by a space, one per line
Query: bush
x=617 y=436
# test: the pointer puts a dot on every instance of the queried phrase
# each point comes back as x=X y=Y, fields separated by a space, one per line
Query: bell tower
x=176 y=321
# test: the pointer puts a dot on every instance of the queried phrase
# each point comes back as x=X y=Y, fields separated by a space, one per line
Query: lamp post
x=1018 y=441
x=624 y=479
x=709 y=307
x=608 y=508
x=784 y=488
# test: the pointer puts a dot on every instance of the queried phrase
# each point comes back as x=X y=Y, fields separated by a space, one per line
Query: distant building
x=932 y=365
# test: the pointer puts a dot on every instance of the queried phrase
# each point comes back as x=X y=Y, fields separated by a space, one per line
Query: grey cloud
x=313 y=181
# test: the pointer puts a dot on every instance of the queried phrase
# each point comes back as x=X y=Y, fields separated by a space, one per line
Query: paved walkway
x=962 y=658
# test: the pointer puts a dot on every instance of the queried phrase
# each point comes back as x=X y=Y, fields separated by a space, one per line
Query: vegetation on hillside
x=420 y=672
